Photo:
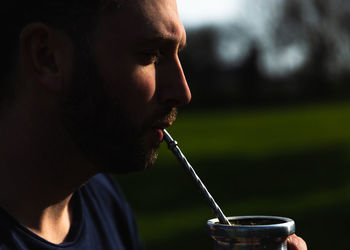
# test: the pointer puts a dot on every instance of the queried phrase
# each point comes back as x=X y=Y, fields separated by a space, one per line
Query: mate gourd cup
x=251 y=233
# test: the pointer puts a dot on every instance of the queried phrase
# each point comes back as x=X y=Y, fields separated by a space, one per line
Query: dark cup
x=251 y=233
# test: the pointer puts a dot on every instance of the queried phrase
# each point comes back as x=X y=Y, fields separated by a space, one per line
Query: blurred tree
x=312 y=36
x=323 y=27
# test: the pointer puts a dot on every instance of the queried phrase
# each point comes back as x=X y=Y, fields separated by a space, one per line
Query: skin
x=296 y=243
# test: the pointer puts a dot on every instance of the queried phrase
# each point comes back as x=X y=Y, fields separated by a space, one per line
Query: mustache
x=168 y=116
x=171 y=116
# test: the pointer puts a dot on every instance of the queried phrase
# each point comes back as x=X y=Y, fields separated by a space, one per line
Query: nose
x=173 y=89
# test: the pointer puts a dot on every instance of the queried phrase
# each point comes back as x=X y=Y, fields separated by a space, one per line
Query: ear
x=46 y=55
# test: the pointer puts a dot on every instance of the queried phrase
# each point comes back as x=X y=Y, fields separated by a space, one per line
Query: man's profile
x=86 y=87
x=89 y=87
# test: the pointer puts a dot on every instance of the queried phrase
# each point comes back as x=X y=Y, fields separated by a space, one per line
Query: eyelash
x=152 y=57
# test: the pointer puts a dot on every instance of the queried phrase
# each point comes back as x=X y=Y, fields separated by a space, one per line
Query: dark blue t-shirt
x=102 y=220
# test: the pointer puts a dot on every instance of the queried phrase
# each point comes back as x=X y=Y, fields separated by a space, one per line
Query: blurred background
x=268 y=126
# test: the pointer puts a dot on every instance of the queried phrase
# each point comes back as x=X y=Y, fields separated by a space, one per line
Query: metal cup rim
x=278 y=231
x=284 y=220
x=283 y=229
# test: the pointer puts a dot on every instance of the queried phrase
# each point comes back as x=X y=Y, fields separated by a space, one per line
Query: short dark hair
x=75 y=17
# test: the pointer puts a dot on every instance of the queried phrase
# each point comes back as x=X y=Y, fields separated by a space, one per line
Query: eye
x=151 y=57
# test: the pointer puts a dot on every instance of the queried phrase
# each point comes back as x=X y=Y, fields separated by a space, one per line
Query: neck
x=40 y=170
x=53 y=222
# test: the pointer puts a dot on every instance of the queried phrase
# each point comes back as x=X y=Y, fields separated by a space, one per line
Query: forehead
x=146 y=20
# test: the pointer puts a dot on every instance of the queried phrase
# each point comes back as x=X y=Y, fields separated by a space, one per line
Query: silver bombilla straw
x=172 y=145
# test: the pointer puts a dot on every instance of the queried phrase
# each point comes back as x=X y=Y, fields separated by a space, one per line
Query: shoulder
x=103 y=187
x=104 y=201
x=103 y=194
x=104 y=182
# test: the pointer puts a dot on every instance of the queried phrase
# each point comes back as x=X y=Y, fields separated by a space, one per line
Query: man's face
x=127 y=88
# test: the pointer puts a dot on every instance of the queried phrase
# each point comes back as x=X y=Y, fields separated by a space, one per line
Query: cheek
x=128 y=84
x=144 y=84
x=139 y=96
x=129 y=81
x=134 y=89
x=124 y=78
x=137 y=85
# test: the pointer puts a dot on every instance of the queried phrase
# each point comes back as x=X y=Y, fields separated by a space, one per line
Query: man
x=86 y=89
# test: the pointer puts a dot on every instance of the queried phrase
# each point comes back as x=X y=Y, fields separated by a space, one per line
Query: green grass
x=290 y=162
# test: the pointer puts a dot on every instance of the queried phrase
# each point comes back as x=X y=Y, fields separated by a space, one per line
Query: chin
x=127 y=162
x=151 y=159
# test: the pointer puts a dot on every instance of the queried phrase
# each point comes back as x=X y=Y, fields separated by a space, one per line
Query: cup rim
x=284 y=221
x=251 y=234
x=283 y=229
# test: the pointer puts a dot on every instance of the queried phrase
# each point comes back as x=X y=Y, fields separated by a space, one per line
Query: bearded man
x=86 y=88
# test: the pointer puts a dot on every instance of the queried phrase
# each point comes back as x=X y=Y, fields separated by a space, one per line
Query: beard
x=101 y=128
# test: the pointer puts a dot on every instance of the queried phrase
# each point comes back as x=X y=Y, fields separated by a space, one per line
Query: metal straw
x=172 y=145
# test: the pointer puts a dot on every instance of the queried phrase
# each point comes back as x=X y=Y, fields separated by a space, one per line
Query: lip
x=162 y=125
x=159 y=128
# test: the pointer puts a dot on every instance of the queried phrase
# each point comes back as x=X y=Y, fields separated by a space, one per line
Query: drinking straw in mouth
x=172 y=145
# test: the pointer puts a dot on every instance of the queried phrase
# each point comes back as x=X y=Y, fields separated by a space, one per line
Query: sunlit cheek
x=145 y=84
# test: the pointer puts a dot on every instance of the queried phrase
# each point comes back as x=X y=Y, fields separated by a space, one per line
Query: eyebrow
x=164 y=40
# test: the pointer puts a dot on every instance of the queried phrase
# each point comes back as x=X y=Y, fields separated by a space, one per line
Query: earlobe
x=41 y=56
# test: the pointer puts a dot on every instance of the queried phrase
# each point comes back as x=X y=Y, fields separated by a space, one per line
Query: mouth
x=168 y=117
x=158 y=128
